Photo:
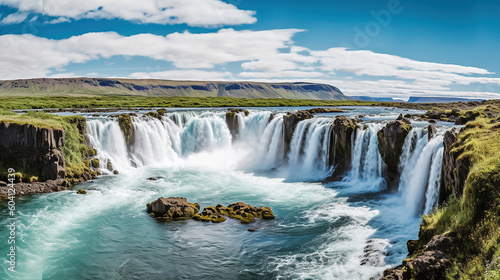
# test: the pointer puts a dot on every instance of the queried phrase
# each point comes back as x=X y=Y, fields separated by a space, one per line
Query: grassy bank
x=75 y=150
x=475 y=216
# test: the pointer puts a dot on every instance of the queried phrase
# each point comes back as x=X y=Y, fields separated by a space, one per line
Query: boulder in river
x=209 y=214
x=172 y=208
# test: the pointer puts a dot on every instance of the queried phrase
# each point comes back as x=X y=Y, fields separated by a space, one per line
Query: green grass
x=475 y=216
x=123 y=101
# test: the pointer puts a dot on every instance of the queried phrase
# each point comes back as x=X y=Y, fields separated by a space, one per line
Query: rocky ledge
x=431 y=263
x=23 y=189
x=178 y=208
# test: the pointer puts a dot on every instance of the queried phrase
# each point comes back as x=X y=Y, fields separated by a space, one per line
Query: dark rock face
x=454 y=171
x=431 y=131
x=340 y=144
x=430 y=264
x=290 y=122
x=391 y=139
x=33 y=150
x=172 y=208
x=233 y=122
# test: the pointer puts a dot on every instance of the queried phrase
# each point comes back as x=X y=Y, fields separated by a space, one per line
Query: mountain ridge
x=152 y=87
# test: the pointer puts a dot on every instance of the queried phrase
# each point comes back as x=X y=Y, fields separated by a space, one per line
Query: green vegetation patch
x=475 y=216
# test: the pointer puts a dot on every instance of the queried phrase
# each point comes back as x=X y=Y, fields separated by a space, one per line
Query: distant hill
x=369 y=98
x=152 y=87
x=440 y=99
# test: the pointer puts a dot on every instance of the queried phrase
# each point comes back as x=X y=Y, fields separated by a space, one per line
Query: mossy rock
x=18 y=177
x=125 y=123
x=81 y=192
x=155 y=115
x=116 y=172
x=95 y=163
x=92 y=152
x=235 y=111
x=162 y=112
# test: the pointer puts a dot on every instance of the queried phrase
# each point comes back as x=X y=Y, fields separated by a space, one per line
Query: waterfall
x=205 y=132
x=411 y=146
x=269 y=151
x=421 y=172
x=310 y=149
x=432 y=194
x=106 y=137
x=260 y=146
x=153 y=141
x=367 y=164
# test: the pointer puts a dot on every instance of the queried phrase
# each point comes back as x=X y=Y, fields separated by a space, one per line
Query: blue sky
x=396 y=48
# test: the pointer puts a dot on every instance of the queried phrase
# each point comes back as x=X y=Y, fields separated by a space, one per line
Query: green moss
x=18 y=177
x=125 y=122
x=153 y=115
x=95 y=163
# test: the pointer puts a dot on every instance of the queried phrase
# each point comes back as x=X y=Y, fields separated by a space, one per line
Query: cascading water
x=264 y=134
x=206 y=132
x=106 y=137
x=367 y=166
x=421 y=163
x=310 y=149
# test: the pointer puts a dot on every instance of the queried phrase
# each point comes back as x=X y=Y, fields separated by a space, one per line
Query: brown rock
x=431 y=131
x=340 y=144
x=391 y=139
x=173 y=208
x=455 y=170
x=290 y=122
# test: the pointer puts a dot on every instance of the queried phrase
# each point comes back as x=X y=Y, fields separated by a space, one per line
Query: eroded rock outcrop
x=177 y=208
x=290 y=122
x=431 y=131
x=172 y=208
x=33 y=150
x=340 y=144
x=391 y=139
x=455 y=169
x=233 y=122
x=125 y=123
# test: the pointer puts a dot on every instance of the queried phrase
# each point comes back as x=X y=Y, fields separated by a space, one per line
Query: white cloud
x=193 y=75
x=59 y=20
x=14 y=18
x=263 y=55
x=206 y=13
x=31 y=56
x=282 y=74
x=375 y=64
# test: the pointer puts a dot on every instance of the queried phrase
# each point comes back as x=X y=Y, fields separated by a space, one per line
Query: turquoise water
x=321 y=230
